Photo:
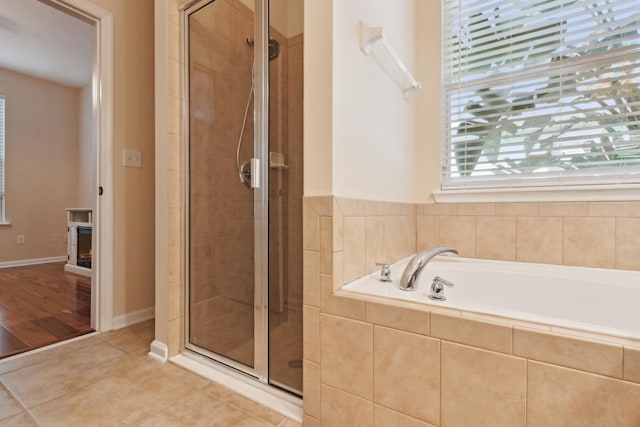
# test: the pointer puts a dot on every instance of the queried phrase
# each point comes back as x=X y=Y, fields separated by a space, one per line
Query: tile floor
x=108 y=380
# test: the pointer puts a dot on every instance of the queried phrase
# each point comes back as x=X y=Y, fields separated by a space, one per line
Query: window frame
x=3 y=171
x=532 y=189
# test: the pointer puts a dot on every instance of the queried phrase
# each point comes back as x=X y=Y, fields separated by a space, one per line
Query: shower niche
x=244 y=223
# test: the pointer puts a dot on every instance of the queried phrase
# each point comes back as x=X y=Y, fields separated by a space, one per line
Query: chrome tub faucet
x=413 y=270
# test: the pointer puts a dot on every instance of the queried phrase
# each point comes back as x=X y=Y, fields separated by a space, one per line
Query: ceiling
x=45 y=42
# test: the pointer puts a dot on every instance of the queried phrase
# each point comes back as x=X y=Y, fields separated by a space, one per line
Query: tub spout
x=412 y=272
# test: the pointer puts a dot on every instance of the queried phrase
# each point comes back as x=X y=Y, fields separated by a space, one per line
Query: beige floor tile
x=96 y=383
x=32 y=358
x=36 y=384
x=201 y=410
x=20 y=420
x=263 y=413
x=122 y=399
x=8 y=405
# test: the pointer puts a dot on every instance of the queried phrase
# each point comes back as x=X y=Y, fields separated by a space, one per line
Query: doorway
x=91 y=164
x=244 y=230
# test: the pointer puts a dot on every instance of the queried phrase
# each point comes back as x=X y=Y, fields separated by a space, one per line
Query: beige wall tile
x=338 y=228
x=481 y=388
x=564 y=209
x=321 y=205
x=632 y=364
x=309 y=421
x=615 y=209
x=477 y=209
x=385 y=417
x=539 y=239
x=338 y=271
x=311 y=278
x=486 y=335
x=628 y=243
x=459 y=232
x=374 y=245
x=358 y=207
x=337 y=305
x=496 y=238
x=428 y=232
x=589 y=242
x=340 y=409
x=311 y=333
x=435 y=209
x=346 y=358
x=563 y=397
x=311 y=388
x=310 y=228
x=326 y=244
x=517 y=209
x=407 y=373
x=586 y=355
x=354 y=248
x=405 y=319
x=399 y=238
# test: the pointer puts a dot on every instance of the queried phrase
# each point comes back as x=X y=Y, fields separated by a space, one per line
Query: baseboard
x=32 y=261
x=159 y=351
x=133 y=317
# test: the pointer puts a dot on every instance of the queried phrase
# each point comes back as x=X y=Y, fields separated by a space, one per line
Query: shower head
x=274 y=47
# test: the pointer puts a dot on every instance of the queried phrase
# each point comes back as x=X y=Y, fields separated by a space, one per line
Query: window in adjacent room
x=541 y=93
x=2 y=142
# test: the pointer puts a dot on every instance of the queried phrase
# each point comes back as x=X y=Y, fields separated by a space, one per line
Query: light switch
x=131 y=158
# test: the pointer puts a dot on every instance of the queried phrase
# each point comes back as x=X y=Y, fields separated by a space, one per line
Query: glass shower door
x=244 y=232
x=221 y=207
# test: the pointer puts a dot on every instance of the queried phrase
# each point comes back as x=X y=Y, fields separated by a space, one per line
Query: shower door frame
x=260 y=371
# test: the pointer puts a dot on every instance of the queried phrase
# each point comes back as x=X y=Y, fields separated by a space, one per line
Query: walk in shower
x=243 y=74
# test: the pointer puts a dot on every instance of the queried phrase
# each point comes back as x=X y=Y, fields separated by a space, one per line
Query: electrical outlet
x=131 y=158
x=20 y=239
x=55 y=237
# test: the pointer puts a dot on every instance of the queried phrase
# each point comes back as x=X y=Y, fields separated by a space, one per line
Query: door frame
x=102 y=85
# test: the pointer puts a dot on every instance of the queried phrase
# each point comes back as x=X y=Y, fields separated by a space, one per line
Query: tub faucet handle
x=385 y=272
x=437 y=288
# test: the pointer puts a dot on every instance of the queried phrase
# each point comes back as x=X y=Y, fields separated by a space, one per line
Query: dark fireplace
x=84 y=247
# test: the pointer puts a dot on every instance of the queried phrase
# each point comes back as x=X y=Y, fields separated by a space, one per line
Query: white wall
x=363 y=139
x=373 y=133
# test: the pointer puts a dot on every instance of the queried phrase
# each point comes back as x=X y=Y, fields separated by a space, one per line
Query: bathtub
x=591 y=300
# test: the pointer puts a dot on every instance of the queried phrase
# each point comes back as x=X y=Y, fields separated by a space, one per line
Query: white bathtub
x=592 y=300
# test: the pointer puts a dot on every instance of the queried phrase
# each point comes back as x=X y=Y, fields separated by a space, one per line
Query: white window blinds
x=542 y=92
x=2 y=122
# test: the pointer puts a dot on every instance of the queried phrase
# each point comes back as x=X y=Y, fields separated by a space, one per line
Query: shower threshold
x=272 y=397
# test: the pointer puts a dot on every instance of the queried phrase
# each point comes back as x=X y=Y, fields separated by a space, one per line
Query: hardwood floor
x=42 y=305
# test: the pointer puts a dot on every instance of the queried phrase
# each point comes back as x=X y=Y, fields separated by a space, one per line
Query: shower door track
x=261 y=209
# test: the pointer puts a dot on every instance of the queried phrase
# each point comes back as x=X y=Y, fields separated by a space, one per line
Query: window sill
x=603 y=193
x=5 y=224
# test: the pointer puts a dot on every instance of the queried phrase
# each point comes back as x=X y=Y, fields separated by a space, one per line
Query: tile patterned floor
x=108 y=380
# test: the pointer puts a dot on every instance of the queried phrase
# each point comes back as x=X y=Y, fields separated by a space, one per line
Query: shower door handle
x=255 y=173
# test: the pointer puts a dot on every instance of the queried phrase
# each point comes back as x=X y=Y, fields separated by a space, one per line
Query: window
x=541 y=93
x=2 y=122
